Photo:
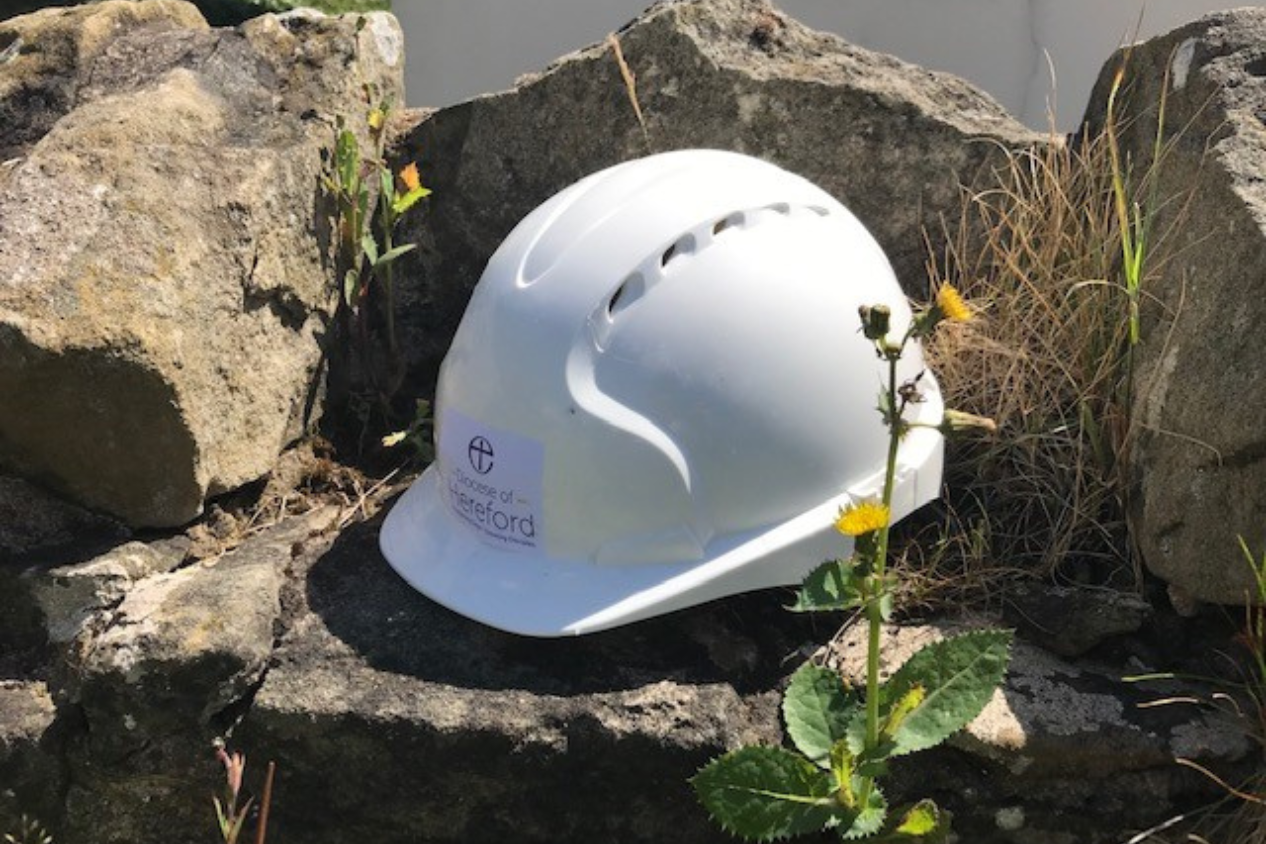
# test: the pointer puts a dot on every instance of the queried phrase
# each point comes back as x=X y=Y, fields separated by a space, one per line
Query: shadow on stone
x=749 y=642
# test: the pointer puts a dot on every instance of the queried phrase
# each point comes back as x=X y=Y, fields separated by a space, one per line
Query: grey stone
x=31 y=775
x=173 y=667
x=36 y=530
x=1199 y=457
x=166 y=279
x=1069 y=621
x=71 y=597
x=892 y=141
x=36 y=525
x=407 y=722
x=55 y=51
x=464 y=733
x=1063 y=751
x=183 y=645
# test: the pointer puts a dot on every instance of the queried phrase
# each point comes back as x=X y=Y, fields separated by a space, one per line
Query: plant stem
x=261 y=830
x=874 y=609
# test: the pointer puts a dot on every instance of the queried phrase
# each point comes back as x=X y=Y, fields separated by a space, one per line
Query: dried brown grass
x=1039 y=256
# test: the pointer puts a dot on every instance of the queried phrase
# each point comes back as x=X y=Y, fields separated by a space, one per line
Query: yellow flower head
x=376 y=119
x=863 y=518
x=409 y=176
x=951 y=303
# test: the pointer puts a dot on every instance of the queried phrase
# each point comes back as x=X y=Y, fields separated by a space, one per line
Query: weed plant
x=843 y=736
x=369 y=201
x=29 y=831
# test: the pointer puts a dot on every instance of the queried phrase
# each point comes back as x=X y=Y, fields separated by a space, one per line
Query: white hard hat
x=659 y=395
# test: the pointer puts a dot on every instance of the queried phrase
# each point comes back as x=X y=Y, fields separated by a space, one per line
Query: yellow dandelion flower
x=409 y=176
x=951 y=303
x=376 y=118
x=863 y=518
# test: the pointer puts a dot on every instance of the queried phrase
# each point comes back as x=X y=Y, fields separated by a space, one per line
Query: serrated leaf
x=920 y=820
x=834 y=585
x=958 y=675
x=766 y=793
x=868 y=820
x=816 y=709
x=406 y=201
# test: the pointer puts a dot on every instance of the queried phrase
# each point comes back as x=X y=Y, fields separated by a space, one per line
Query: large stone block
x=1199 y=456
x=164 y=271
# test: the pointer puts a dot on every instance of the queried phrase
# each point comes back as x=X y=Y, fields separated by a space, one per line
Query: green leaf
x=406 y=201
x=868 y=819
x=901 y=708
x=392 y=254
x=958 y=676
x=764 y=793
x=922 y=820
x=817 y=708
x=347 y=158
x=844 y=769
x=370 y=247
x=834 y=585
x=351 y=288
x=386 y=182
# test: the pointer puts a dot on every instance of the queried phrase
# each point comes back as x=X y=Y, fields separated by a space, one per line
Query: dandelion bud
x=875 y=321
x=957 y=422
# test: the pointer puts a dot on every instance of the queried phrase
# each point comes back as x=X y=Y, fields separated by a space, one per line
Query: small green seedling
x=367 y=250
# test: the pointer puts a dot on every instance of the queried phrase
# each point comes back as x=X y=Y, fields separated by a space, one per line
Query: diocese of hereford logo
x=479 y=453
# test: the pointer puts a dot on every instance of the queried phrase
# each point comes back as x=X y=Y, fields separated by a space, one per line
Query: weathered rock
x=226 y=12
x=407 y=722
x=464 y=733
x=185 y=644
x=35 y=525
x=72 y=596
x=161 y=675
x=1199 y=459
x=31 y=776
x=1068 y=620
x=891 y=141
x=37 y=529
x=52 y=55
x=164 y=278
x=1069 y=755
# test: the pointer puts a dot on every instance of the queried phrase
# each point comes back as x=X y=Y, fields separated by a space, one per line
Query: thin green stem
x=874 y=608
x=388 y=280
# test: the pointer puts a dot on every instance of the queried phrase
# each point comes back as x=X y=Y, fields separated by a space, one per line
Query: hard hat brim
x=533 y=594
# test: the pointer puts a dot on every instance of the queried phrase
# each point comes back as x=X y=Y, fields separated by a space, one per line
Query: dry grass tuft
x=1039 y=256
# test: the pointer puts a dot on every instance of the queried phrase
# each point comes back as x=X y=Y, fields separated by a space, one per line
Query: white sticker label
x=492 y=481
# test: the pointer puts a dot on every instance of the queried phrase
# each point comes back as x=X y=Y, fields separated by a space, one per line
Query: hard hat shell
x=658 y=396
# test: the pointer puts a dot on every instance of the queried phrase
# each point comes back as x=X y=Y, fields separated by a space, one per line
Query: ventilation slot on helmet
x=684 y=246
x=629 y=291
x=734 y=220
x=780 y=208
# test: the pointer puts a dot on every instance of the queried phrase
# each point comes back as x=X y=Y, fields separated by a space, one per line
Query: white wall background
x=458 y=49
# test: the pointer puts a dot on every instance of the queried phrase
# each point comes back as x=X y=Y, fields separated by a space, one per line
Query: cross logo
x=479 y=452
